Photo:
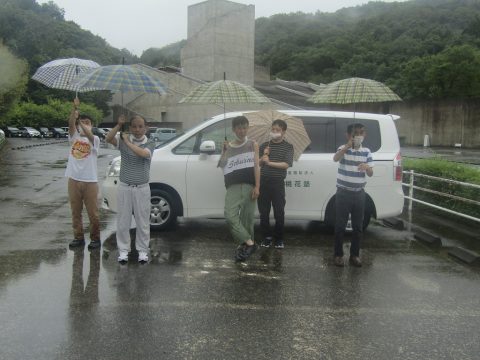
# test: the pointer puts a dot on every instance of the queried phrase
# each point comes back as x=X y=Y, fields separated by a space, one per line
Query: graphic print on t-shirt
x=81 y=149
x=240 y=161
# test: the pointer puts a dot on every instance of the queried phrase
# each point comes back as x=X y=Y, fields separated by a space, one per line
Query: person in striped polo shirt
x=355 y=161
x=277 y=157
x=133 y=194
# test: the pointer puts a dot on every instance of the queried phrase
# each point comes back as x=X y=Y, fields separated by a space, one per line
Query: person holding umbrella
x=277 y=157
x=134 y=194
x=355 y=162
x=241 y=171
x=82 y=177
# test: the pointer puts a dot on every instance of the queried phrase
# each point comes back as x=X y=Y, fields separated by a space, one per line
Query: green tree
x=13 y=79
x=453 y=73
x=167 y=55
x=54 y=113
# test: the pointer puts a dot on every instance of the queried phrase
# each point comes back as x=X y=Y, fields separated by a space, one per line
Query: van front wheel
x=162 y=210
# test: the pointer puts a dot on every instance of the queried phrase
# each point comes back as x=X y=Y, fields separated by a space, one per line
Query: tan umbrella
x=261 y=124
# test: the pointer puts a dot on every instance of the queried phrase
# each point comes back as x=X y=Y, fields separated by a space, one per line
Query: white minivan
x=185 y=180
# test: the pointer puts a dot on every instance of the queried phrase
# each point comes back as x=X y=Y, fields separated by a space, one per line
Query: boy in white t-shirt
x=82 y=177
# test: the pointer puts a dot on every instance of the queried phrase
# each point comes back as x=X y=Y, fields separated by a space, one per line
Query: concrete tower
x=221 y=37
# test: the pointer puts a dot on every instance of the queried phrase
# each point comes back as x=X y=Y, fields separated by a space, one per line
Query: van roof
x=323 y=113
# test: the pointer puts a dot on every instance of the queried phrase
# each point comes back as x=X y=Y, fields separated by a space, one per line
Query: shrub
x=446 y=170
x=54 y=113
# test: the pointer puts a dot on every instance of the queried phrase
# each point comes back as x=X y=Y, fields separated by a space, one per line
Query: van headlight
x=114 y=169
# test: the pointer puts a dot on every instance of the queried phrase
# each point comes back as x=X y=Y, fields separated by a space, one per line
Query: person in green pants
x=240 y=164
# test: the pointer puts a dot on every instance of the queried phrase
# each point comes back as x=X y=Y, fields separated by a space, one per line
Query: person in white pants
x=133 y=194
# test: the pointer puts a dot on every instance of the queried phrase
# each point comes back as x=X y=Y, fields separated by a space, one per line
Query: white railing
x=411 y=186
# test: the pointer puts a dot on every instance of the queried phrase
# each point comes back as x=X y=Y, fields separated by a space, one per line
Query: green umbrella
x=223 y=92
x=352 y=91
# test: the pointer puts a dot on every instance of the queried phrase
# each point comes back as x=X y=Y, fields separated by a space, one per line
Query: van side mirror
x=207 y=147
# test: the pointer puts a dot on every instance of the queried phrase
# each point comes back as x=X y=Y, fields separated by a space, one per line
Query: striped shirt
x=135 y=170
x=348 y=176
x=279 y=152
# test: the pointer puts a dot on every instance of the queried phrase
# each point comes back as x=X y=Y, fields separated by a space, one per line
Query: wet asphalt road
x=193 y=302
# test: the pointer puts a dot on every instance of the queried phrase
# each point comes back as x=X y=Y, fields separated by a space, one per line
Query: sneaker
x=123 y=257
x=279 y=244
x=239 y=253
x=266 y=242
x=76 y=243
x=96 y=244
x=338 y=261
x=244 y=251
x=142 y=257
x=355 y=261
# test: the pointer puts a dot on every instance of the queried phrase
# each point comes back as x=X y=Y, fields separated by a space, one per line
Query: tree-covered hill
x=389 y=42
x=38 y=33
x=421 y=48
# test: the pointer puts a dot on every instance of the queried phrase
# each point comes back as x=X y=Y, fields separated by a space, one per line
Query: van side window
x=215 y=132
x=186 y=147
x=322 y=134
x=373 y=140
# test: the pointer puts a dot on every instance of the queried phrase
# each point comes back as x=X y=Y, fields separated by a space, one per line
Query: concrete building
x=221 y=39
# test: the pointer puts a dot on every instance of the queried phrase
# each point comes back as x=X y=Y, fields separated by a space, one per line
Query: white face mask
x=239 y=139
x=275 y=135
x=357 y=141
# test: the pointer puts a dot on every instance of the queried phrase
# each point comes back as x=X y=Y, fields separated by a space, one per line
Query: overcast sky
x=140 y=24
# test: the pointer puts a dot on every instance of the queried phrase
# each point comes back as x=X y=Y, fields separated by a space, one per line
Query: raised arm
x=72 y=120
x=111 y=136
x=256 y=169
x=340 y=153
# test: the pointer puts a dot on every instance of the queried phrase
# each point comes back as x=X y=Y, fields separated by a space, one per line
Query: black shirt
x=279 y=152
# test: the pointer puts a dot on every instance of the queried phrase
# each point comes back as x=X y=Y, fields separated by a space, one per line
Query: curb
x=428 y=238
x=395 y=223
x=34 y=145
x=467 y=256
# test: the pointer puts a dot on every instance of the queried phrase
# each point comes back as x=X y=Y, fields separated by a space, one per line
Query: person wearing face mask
x=82 y=177
x=355 y=161
x=277 y=157
x=241 y=172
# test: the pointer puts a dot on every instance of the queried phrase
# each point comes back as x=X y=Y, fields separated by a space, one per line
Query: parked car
x=45 y=132
x=30 y=132
x=99 y=132
x=12 y=131
x=163 y=134
x=185 y=180
x=59 y=132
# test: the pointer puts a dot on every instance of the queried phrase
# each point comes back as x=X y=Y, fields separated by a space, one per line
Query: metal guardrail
x=412 y=199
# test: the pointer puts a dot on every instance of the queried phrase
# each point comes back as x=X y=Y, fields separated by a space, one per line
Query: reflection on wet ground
x=193 y=301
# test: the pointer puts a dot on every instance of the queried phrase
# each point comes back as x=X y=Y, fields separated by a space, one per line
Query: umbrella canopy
x=354 y=90
x=123 y=78
x=59 y=74
x=224 y=91
x=260 y=124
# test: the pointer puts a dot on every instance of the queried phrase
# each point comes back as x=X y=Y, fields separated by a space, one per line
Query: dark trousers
x=272 y=193
x=353 y=203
